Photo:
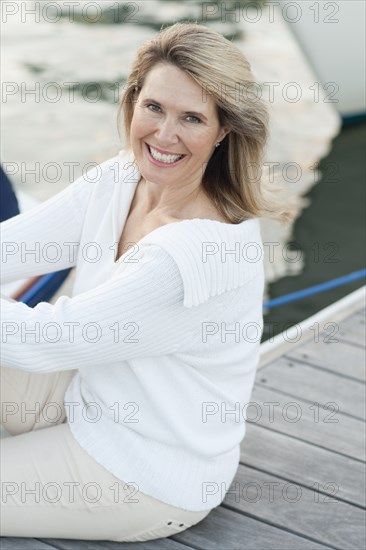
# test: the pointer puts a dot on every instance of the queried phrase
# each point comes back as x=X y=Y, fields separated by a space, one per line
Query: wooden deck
x=301 y=479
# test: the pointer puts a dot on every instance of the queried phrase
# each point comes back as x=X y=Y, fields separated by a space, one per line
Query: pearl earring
x=217 y=144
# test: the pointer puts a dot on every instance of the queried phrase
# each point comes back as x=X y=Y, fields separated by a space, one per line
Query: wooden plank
x=314 y=385
x=303 y=463
x=303 y=420
x=230 y=530
x=301 y=333
x=20 y=543
x=339 y=357
x=291 y=506
x=352 y=330
x=71 y=544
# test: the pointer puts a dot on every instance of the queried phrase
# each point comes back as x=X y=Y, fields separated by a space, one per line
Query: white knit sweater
x=165 y=341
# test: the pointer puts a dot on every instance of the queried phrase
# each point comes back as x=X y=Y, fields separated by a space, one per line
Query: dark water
x=330 y=233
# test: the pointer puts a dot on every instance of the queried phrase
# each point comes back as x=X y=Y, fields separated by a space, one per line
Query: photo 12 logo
x=70 y=11
x=253 y=11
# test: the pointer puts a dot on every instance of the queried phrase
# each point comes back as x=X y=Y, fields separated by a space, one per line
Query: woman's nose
x=167 y=131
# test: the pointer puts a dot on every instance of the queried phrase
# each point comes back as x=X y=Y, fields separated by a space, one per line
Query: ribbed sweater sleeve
x=137 y=312
x=45 y=238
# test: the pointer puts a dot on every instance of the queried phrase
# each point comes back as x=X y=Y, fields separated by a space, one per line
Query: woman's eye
x=155 y=108
x=152 y=105
x=195 y=119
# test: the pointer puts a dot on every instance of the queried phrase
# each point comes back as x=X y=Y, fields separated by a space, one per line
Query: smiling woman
x=183 y=98
x=149 y=328
x=164 y=127
x=171 y=145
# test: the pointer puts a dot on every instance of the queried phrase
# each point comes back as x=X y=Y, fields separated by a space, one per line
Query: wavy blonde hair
x=233 y=177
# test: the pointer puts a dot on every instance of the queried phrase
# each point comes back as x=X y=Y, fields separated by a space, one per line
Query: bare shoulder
x=211 y=212
x=205 y=209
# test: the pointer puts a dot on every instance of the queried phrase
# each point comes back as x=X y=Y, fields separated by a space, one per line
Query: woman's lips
x=160 y=163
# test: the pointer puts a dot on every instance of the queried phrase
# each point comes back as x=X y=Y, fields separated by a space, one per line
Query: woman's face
x=175 y=116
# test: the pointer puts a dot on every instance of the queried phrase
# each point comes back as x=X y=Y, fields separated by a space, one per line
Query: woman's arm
x=138 y=312
x=38 y=241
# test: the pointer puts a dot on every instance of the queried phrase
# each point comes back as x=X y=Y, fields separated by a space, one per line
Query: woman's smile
x=166 y=160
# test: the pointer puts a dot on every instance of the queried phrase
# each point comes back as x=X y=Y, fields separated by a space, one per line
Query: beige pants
x=51 y=488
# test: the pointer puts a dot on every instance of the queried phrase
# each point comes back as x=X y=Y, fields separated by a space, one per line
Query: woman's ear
x=224 y=131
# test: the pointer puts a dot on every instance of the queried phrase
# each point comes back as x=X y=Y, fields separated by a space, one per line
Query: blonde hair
x=233 y=177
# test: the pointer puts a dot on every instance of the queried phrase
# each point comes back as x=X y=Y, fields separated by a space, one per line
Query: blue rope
x=44 y=288
x=316 y=289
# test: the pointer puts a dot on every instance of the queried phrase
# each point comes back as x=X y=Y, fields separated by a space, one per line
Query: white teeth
x=164 y=158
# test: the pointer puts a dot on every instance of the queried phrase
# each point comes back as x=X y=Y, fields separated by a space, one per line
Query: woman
x=128 y=399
